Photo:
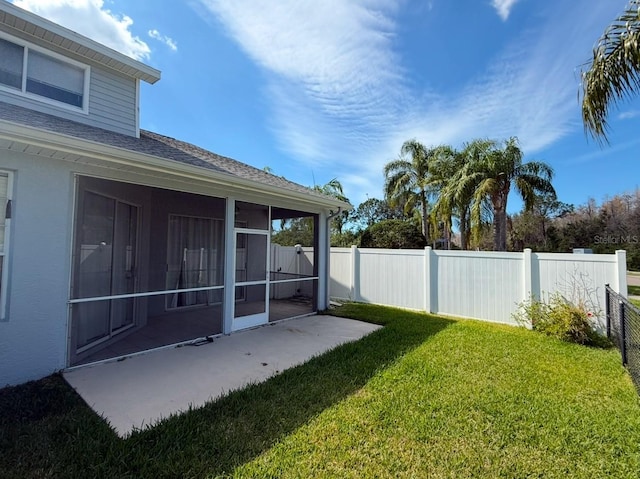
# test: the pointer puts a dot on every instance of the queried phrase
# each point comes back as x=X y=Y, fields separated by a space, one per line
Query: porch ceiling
x=140 y=391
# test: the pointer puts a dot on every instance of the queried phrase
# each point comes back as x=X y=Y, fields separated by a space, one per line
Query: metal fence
x=623 y=328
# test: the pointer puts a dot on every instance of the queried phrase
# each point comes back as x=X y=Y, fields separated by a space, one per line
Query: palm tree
x=492 y=171
x=614 y=71
x=456 y=189
x=444 y=165
x=407 y=180
x=334 y=188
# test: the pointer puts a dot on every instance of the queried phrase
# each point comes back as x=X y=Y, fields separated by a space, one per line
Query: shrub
x=561 y=318
x=392 y=234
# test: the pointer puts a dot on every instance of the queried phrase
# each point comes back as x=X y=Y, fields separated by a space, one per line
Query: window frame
x=6 y=250
x=22 y=91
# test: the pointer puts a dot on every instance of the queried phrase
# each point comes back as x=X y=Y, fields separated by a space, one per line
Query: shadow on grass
x=47 y=431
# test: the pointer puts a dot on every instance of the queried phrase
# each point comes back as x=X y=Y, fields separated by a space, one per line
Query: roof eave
x=34 y=25
x=92 y=149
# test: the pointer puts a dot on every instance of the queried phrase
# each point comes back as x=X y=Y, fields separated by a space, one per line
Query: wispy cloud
x=608 y=154
x=503 y=7
x=333 y=77
x=337 y=89
x=627 y=115
x=92 y=19
x=168 y=41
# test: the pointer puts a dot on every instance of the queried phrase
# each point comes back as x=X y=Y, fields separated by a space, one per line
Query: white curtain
x=194 y=259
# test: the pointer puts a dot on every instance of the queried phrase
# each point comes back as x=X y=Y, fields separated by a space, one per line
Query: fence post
x=623 y=333
x=621 y=272
x=427 y=279
x=355 y=274
x=607 y=308
x=527 y=275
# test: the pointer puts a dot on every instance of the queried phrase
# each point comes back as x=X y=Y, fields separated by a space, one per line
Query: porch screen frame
x=220 y=252
x=143 y=294
x=111 y=333
x=6 y=214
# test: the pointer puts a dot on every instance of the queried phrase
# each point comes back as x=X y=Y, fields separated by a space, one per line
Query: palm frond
x=614 y=71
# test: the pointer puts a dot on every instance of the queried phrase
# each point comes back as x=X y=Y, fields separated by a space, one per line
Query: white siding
x=112 y=103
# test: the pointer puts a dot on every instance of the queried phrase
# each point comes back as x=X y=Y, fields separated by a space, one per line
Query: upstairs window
x=47 y=76
x=11 y=56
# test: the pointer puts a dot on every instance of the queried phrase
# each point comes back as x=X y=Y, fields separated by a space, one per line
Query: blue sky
x=323 y=89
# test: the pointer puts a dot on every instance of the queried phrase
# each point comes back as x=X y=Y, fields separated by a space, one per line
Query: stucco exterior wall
x=33 y=339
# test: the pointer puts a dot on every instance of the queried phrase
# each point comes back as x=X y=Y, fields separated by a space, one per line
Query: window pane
x=96 y=247
x=11 y=56
x=54 y=79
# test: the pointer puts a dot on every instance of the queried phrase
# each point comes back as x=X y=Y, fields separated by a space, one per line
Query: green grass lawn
x=422 y=397
x=633 y=290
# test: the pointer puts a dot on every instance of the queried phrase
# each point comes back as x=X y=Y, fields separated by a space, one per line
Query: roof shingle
x=150 y=143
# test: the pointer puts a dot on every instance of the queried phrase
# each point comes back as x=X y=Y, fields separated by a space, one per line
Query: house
x=116 y=240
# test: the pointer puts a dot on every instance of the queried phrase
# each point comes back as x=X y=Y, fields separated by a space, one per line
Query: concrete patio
x=136 y=392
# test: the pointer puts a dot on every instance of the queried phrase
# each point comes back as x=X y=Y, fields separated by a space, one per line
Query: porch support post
x=527 y=271
x=621 y=272
x=323 y=262
x=228 y=305
x=427 y=280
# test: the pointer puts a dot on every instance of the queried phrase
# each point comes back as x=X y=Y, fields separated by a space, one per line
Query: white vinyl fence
x=291 y=262
x=472 y=284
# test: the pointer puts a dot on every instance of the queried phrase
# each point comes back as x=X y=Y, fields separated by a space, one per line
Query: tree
x=374 y=210
x=535 y=229
x=614 y=71
x=345 y=239
x=393 y=234
x=300 y=230
x=493 y=171
x=454 y=198
x=334 y=188
x=407 y=180
x=296 y=231
x=456 y=184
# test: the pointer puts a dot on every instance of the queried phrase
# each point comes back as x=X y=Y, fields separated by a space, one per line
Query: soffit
x=14 y=18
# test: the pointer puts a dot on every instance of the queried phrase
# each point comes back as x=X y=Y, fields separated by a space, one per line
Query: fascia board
x=97 y=52
x=77 y=146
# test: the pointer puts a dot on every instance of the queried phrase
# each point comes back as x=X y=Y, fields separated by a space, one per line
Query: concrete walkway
x=136 y=392
x=633 y=280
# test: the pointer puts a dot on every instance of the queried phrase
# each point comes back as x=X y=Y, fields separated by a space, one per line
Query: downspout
x=328 y=254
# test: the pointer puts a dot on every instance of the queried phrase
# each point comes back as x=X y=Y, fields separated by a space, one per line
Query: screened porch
x=150 y=269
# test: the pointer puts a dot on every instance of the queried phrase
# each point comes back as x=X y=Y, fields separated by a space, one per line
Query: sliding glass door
x=105 y=265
